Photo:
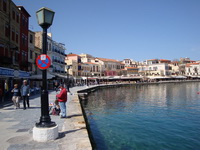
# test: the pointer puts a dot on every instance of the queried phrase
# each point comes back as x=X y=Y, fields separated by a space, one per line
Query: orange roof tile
x=105 y=59
x=190 y=64
x=165 y=60
x=72 y=55
x=90 y=63
x=152 y=59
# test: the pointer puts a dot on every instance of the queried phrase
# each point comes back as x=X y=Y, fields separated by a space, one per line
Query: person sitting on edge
x=62 y=99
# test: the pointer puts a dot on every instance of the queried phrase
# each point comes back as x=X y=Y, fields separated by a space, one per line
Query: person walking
x=25 y=92
x=16 y=96
x=62 y=99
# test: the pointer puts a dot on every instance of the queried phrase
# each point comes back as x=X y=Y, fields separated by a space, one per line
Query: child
x=54 y=108
x=16 y=96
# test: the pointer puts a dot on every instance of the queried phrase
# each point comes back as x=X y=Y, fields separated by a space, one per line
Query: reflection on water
x=146 y=117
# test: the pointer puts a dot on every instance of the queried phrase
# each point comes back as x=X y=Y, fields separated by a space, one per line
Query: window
x=31 y=38
x=93 y=68
x=22 y=56
x=13 y=14
x=25 y=56
x=16 y=57
x=23 y=21
x=26 y=40
x=5 y=5
x=1 y=51
x=31 y=54
x=23 y=39
x=49 y=46
x=26 y=22
x=7 y=30
x=17 y=37
x=13 y=34
x=17 y=17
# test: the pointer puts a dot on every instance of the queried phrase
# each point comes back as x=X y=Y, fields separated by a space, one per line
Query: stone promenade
x=16 y=126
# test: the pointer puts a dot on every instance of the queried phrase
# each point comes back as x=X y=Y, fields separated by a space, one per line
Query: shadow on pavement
x=62 y=134
x=34 y=107
x=70 y=116
x=6 y=104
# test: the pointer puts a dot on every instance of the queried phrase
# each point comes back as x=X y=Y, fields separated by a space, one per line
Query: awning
x=179 y=77
x=158 y=77
x=64 y=76
x=39 y=76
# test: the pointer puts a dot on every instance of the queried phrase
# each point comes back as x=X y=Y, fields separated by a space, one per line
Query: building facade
x=24 y=25
x=9 y=34
x=192 y=69
x=11 y=69
x=55 y=50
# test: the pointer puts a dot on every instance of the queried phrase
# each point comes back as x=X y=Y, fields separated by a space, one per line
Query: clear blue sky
x=118 y=29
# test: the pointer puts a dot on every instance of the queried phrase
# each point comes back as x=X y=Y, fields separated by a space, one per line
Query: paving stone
x=17 y=125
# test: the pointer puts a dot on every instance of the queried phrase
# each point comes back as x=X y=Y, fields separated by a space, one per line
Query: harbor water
x=145 y=117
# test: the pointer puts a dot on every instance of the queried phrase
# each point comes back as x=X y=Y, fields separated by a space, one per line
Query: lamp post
x=68 y=67
x=45 y=18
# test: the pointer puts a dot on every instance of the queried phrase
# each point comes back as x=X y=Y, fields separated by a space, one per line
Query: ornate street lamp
x=45 y=18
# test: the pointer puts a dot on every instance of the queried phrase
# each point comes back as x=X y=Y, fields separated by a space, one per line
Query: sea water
x=145 y=117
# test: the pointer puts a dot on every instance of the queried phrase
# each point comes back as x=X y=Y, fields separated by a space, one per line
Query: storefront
x=9 y=77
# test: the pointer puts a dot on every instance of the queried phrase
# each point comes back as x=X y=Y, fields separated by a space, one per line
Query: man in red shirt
x=62 y=99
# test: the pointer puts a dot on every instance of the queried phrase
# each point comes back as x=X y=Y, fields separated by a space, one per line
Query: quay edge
x=84 y=93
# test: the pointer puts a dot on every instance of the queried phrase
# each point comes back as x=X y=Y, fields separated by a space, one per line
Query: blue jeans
x=62 y=109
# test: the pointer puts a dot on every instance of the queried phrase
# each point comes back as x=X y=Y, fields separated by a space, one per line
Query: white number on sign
x=43 y=57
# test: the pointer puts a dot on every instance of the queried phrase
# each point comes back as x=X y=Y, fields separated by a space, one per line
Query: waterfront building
x=153 y=68
x=182 y=64
x=94 y=69
x=56 y=51
x=186 y=60
x=109 y=67
x=71 y=67
x=164 y=61
x=152 y=61
x=174 y=67
x=74 y=61
x=129 y=63
x=132 y=71
x=192 y=69
x=85 y=69
x=86 y=58
x=57 y=54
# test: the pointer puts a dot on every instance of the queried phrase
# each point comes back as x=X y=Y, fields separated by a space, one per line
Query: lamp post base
x=45 y=124
x=45 y=134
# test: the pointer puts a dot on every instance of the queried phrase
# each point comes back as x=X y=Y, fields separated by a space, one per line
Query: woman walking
x=16 y=96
